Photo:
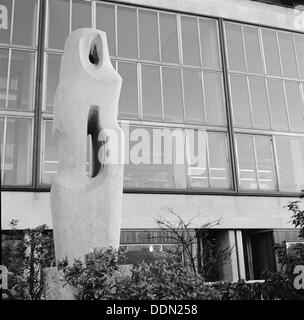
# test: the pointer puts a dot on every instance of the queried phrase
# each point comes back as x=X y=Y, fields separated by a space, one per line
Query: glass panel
x=153 y=158
x=193 y=93
x=172 y=93
x=6 y=32
x=2 y=119
x=3 y=76
x=21 y=86
x=214 y=100
x=295 y=109
x=168 y=34
x=198 y=163
x=235 y=47
x=299 y=42
x=50 y=157
x=259 y=103
x=59 y=20
x=105 y=21
x=148 y=35
x=240 y=100
x=128 y=100
x=290 y=157
x=288 y=56
x=209 y=43
x=253 y=53
x=271 y=51
x=25 y=22
x=277 y=104
x=127 y=32
x=151 y=92
x=81 y=14
x=191 y=53
x=246 y=162
x=265 y=163
x=219 y=176
x=52 y=79
x=18 y=152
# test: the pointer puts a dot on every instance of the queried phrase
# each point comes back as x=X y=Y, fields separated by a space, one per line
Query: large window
x=174 y=87
x=266 y=85
x=18 y=60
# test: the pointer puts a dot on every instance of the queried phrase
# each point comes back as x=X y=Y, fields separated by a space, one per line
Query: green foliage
x=25 y=254
x=297 y=217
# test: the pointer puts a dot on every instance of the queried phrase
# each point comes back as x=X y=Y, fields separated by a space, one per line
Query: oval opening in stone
x=95 y=54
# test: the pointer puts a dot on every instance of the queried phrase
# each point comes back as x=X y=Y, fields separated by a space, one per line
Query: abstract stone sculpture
x=86 y=211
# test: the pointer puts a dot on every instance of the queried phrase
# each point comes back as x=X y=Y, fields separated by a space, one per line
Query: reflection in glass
x=128 y=102
x=191 y=53
x=240 y=100
x=18 y=152
x=6 y=33
x=52 y=79
x=193 y=93
x=168 y=35
x=58 y=23
x=105 y=21
x=172 y=93
x=209 y=43
x=235 y=47
x=126 y=32
x=25 y=22
x=148 y=35
x=214 y=99
x=81 y=14
x=151 y=92
x=21 y=80
x=3 y=76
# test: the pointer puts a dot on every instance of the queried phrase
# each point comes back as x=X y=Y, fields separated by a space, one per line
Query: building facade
x=232 y=69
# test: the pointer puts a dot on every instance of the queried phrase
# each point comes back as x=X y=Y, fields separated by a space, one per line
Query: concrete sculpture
x=86 y=210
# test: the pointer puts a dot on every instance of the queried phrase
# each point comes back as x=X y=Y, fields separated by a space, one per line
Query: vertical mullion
x=208 y=160
x=286 y=105
x=71 y=17
x=183 y=94
x=162 y=92
x=8 y=76
x=3 y=149
x=37 y=22
x=137 y=33
x=12 y=21
x=260 y=35
x=139 y=91
x=296 y=55
x=159 y=37
x=268 y=103
x=116 y=31
x=204 y=97
x=38 y=96
x=199 y=41
x=244 y=48
x=187 y=160
x=93 y=14
x=279 y=52
x=302 y=97
x=256 y=162
x=275 y=163
x=250 y=103
x=228 y=103
x=179 y=38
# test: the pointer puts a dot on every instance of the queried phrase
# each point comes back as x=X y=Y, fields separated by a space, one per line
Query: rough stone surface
x=56 y=287
x=86 y=211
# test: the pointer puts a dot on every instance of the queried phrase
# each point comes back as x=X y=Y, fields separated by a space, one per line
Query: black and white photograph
x=152 y=154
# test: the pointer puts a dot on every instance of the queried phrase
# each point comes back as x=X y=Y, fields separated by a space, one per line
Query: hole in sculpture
x=93 y=130
x=95 y=54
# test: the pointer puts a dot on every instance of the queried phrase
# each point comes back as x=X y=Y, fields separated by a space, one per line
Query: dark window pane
x=59 y=20
x=18 y=152
x=148 y=35
x=294 y=103
x=6 y=33
x=25 y=22
x=259 y=103
x=168 y=34
x=235 y=47
x=190 y=40
x=288 y=56
x=277 y=104
x=240 y=100
x=253 y=53
x=209 y=43
x=81 y=14
x=3 y=76
x=105 y=21
x=271 y=51
x=193 y=92
x=21 y=84
x=151 y=92
x=52 y=78
x=127 y=32
x=214 y=100
x=128 y=101
x=172 y=93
